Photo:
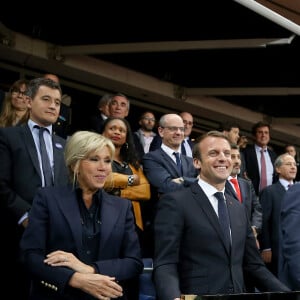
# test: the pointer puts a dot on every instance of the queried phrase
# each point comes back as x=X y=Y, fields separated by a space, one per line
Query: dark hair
x=128 y=151
x=259 y=125
x=36 y=83
x=212 y=133
x=227 y=126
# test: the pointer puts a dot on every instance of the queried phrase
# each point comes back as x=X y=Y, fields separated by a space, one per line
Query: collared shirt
x=209 y=191
x=285 y=183
x=269 y=164
x=170 y=151
x=187 y=147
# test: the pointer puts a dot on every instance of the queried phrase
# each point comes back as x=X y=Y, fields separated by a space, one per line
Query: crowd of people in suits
x=116 y=196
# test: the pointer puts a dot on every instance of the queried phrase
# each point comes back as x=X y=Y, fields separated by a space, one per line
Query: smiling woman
x=97 y=251
x=15 y=107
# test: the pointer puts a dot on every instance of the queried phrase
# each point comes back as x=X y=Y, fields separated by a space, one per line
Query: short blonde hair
x=80 y=145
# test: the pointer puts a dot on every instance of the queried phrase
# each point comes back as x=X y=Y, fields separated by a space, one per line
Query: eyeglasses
x=188 y=123
x=149 y=119
x=174 y=128
x=22 y=93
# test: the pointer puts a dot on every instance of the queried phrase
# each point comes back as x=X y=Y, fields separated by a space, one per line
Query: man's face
x=236 y=162
x=188 y=123
x=147 y=122
x=216 y=163
x=119 y=107
x=172 y=133
x=45 y=106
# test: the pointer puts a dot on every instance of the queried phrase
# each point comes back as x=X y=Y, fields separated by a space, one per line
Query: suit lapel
x=170 y=163
x=209 y=211
x=73 y=217
x=27 y=137
x=230 y=191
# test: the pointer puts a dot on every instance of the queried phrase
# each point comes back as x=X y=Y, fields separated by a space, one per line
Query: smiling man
x=203 y=239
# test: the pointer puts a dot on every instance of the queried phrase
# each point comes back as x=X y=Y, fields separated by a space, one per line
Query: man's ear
x=197 y=163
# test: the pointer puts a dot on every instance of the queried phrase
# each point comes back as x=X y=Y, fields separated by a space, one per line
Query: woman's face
x=18 y=99
x=93 y=170
x=116 y=131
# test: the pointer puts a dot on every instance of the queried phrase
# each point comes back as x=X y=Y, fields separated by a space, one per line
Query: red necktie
x=263 y=171
x=237 y=188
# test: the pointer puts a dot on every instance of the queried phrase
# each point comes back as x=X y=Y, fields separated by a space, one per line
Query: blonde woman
x=81 y=242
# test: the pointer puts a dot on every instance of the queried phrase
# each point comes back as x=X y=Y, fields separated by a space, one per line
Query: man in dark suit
x=194 y=253
x=102 y=113
x=289 y=239
x=252 y=156
x=187 y=143
x=248 y=197
x=160 y=165
x=271 y=200
x=21 y=173
x=243 y=190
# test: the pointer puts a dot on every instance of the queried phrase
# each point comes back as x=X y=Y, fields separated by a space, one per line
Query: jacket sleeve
x=135 y=192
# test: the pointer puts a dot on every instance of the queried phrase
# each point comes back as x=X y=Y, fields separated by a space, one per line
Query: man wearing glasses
x=187 y=144
x=166 y=168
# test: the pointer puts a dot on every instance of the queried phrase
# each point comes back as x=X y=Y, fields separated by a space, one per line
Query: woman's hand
x=66 y=259
x=99 y=286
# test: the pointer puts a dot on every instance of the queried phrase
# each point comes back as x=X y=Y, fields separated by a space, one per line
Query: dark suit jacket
x=289 y=239
x=160 y=169
x=251 y=166
x=55 y=224
x=20 y=178
x=190 y=254
x=20 y=175
x=96 y=122
x=191 y=144
x=271 y=200
x=250 y=201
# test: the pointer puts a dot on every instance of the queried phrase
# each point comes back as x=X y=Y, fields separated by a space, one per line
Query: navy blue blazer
x=20 y=174
x=271 y=199
x=289 y=239
x=160 y=169
x=190 y=253
x=55 y=224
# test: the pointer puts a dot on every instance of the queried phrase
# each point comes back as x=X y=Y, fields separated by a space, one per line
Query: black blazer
x=190 y=254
